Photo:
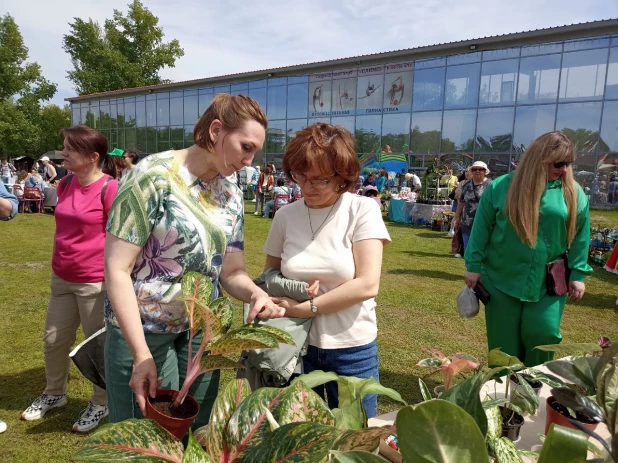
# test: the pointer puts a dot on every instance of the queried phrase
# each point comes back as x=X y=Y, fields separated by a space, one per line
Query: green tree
x=52 y=119
x=128 y=51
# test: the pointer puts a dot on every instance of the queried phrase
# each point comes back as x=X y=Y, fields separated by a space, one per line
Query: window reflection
x=503 y=53
x=189 y=135
x=151 y=113
x=298 y=100
x=344 y=96
x=190 y=109
x=580 y=122
x=276 y=105
x=609 y=128
x=113 y=115
x=151 y=139
x=458 y=130
x=611 y=88
x=104 y=117
x=319 y=97
x=462 y=86
x=396 y=132
x=346 y=122
x=142 y=144
x=531 y=122
x=367 y=133
x=129 y=112
x=538 y=79
x=428 y=85
x=75 y=115
x=140 y=113
x=177 y=137
x=498 y=82
x=583 y=75
x=498 y=164
x=163 y=112
x=176 y=111
x=294 y=125
x=204 y=102
x=425 y=132
x=130 y=139
x=163 y=139
x=494 y=130
x=275 y=137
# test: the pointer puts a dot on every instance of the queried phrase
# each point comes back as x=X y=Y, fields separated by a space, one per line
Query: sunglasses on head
x=560 y=165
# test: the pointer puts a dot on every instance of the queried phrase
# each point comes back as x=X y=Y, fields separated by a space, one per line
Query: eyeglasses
x=560 y=165
x=301 y=179
x=478 y=169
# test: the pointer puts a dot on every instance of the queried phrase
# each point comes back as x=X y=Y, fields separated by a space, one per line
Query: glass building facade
x=482 y=105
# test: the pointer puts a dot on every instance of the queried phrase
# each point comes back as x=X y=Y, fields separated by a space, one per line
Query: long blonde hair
x=530 y=180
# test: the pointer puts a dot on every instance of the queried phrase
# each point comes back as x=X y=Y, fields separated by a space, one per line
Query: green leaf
x=207 y=322
x=367 y=439
x=294 y=442
x=563 y=445
x=425 y=392
x=195 y=453
x=545 y=378
x=606 y=358
x=607 y=385
x=198 y=288
x=351 y=416
x=222 y=308
x=575 y=401
x=524 y=393
x=300 y=404
x=228 y=400
x=487 y=404
x=218 y=362
x=439 y=432
x=272 y=423
x=354 y=457
x=316 y=378
x=506 y=452
x=431 y=363
x=494 y=422
x=371 y=386
x=467 y=395
x=571 y=348
x=134 y=439
x=497 y=358
x=579 y=371
x=239 y=340
x=279 y=334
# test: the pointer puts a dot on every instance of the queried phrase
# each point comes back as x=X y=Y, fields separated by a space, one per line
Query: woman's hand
x=576 y=290
x=262 y=306
x=313 y=288
x=471 y=279
x=144 y=381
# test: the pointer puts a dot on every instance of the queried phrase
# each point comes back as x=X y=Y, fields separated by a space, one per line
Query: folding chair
x=280 y=201
x=298 y=196
x=33 y=194
x=19 y=192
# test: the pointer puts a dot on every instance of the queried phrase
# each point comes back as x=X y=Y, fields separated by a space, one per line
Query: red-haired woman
x=77 y=287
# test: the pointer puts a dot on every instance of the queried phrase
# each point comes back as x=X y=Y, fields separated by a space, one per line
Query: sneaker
x=41 y=405
x=2 y=426
x=458 y=256
x=256 y=213
x=90 y=417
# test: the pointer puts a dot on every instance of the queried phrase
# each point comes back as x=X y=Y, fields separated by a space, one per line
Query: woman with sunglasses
x=525 y=220
x=335 y=237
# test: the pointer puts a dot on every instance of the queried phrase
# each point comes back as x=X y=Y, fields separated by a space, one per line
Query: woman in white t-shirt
x=337 y=238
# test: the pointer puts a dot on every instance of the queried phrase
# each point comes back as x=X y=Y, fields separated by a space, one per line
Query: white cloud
x=226 y=36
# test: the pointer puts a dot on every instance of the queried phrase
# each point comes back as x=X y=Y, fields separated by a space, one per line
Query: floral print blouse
x=183 y=224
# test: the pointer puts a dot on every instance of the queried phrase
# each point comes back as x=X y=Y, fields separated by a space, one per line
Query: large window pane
x=428 y=85
x=541 y=49
x=275 y=136
x=276 y=102
x=204 y=102
x=315 y=120
x=130 y=139
x=395 y=132
x=121 y=138
x=583 y=75
x=368 y=133
x=129 y=113
x=140 y=113
x=531 y=122
x=83 y=115
x=462 y=86
x=369 y=93
x=120 y=119
x=344 y=97
x=298 y=100
x=583 y=44
x=176 y=111
x=503 y=53
x=494 y=130
x=75 y=115
x=221 y=89
x=163 y=112
x=319 y=97
x=113 y=115
x=151 y=113
x=425 y=132
x=463 y=58
x=257 y=83
x=538 y=79
x=611 y=89
x=498 y=82
x=177 y=136
x=104 y=115
x=458 y=130
x=259 y=95
x=294 y=125
x=346 y=122
x=580 y=121
x=498 y=164
x=609 y=128
x=188 y=135
x=163 y=139
x=142 y=144
x=190 y=110
x=151 y=139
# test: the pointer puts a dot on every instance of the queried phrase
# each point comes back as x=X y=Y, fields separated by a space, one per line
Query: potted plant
x=448 y=367
x=176 y=410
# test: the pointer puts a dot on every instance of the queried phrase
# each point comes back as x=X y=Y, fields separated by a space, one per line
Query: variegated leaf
x=281 y=336
x=505 y=451
x=218 y=362
x=222 y=308
x=197 y=287
x=300 y=403
x=206 y=321
x=229 y=398
x=354 y=457
x=134 y=439
x=367 y=439
x=494 y=423
x=294 y=443
x=425 y=392
x=429 y=362
x=194 y=452
x=239 y=340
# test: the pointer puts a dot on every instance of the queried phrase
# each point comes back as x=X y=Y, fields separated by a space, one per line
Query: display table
x=396 y=210
x=51 y=198
x=416 y=211
x=534 y=425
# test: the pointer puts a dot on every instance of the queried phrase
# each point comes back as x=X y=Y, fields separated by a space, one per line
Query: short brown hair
x=233 y=111
x=86 y=141
x=326 y=148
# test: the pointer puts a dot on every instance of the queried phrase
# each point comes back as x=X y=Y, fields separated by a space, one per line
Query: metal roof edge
x=551 y=34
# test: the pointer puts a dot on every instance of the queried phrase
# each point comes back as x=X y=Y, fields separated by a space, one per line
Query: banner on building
x=398 y=82
x=370 y=90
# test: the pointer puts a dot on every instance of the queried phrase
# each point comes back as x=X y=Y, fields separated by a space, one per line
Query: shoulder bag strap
x=103 y=189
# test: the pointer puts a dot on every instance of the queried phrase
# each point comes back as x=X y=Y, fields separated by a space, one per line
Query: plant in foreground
x=448 y=367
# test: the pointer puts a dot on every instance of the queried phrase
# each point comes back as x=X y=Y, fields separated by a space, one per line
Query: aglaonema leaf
x=572 y=348
x=425 y=392
x=438 y=431
x=505 y=451
x=134 y=439
x=487 y=404
x=367 y=439
x=229 y=398
x=222 y=308
x=207 y=322
x=579 y=371
x=279 y=334
x=294 y=442
x=607 y=386
x=197 y=288
x=371 y=386
x=563 y=445
x=497 y=358
x=316 y=378
x=239 y=340
x=354 y=457
x=494 y=423
x=300 y=404
x=546 y=378
x=218 y=362
x=351 y=416
x=575 y=401
x=467 y=396
x=194 y=452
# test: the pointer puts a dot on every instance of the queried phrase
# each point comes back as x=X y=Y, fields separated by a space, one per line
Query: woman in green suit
x=525 y=220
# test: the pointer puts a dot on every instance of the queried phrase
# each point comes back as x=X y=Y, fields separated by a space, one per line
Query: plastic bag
x=467 y=303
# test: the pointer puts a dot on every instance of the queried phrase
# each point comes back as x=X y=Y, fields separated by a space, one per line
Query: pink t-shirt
x=80 y=229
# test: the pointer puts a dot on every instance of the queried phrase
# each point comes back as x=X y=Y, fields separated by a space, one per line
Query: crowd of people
x=122 y=247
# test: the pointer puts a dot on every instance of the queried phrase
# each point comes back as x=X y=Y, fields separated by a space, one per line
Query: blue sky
x=224 y=36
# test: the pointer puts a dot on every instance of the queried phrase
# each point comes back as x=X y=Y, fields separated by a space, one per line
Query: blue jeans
x=466 y=238
x=269 y=206
x=6 y=180
x=361 y=361
x=454 y=208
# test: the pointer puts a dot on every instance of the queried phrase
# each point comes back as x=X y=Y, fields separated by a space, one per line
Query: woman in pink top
x=77 y=287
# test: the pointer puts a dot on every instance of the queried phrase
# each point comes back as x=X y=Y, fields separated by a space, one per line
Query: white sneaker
x=2 y=426
x=458 y=256
x=41 y=405
x=256 y=213
x=90 y=417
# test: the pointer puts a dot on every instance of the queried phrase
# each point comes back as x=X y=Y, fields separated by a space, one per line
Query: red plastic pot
x=176 y=426
x=552 y=416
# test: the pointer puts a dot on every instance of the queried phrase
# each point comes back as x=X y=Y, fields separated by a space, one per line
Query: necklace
x=313 y=233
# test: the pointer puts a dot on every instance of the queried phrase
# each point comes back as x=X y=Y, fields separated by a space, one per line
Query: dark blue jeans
x=466 y=238
x=361 y=361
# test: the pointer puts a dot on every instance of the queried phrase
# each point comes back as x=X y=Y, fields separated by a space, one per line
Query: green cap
x=117 y=152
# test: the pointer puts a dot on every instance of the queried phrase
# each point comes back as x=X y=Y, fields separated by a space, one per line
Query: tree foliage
x=128 y=51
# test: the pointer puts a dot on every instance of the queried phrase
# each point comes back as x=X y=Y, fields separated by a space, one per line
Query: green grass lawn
x=416 y=308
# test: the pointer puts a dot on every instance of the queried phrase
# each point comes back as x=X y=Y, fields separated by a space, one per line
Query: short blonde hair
x=233 y=111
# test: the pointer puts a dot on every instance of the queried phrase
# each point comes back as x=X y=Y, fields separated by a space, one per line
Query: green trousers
x=517 y=327
x=170 y=353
